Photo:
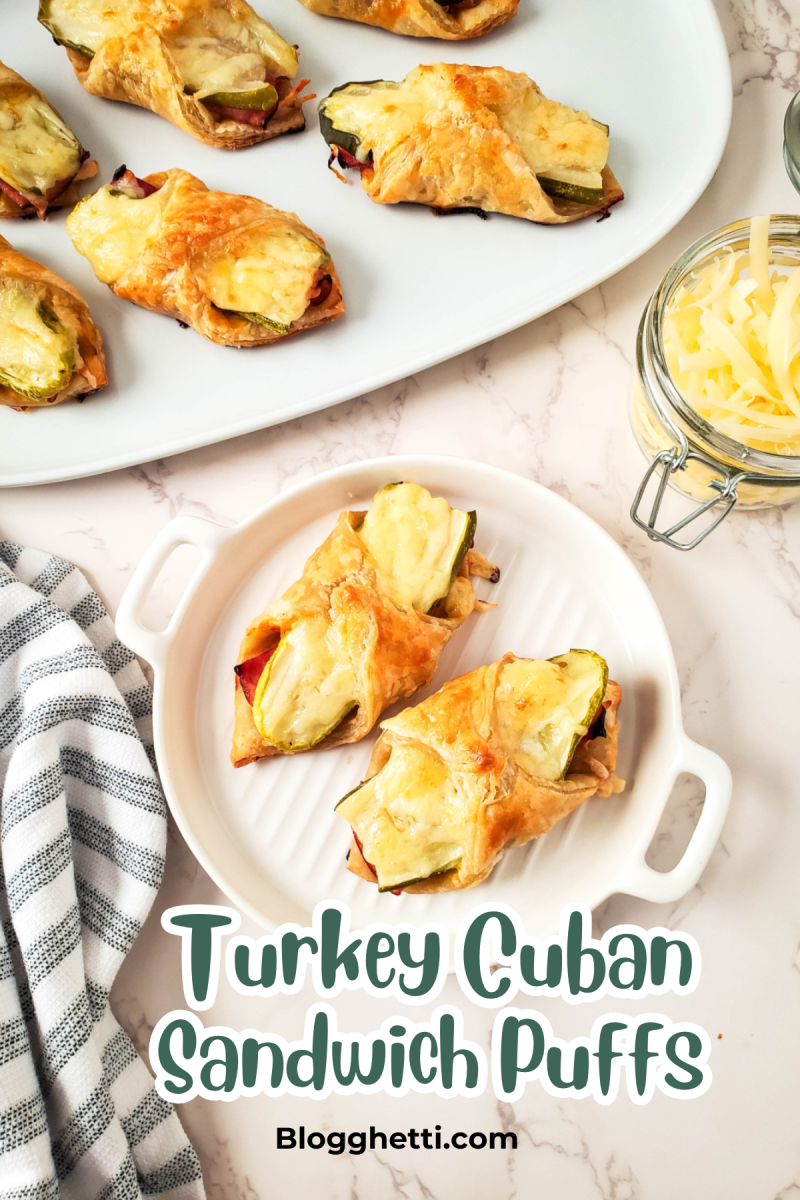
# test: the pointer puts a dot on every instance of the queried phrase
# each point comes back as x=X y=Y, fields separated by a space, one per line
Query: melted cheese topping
x=37 y=353
x=209 y=66
x=554 y=140
x=413 y=817
x=88 y=23
x=112 y=229
x=85 y=24
x=268 y=272
x=543 y=709
x=382 y=114
x=417 y=543
x=307 y=687
x=37 y=150
x=217 y=53
x=253 y=35
x=409 y=817
x=732 y=345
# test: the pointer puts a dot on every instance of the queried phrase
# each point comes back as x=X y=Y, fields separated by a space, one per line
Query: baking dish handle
x=192 y=531
x=660 y=887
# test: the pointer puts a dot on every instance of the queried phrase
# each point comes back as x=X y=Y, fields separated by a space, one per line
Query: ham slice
x=320 y=291
x=357 y=839
x=126 y=181
x=23 y=201
x=250 y=671
x=348 y=160
x=245 y=116
x=360 y=845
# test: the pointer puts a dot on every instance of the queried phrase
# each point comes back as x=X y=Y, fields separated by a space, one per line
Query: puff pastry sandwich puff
x=50 y=348
x=481 y=138
x=492 y=760
x=422 y=18
x=363 y=627
x=41 y=160
x=239 y=271
x=212 y=67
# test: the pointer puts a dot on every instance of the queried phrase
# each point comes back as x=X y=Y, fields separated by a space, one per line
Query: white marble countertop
x=548 y=401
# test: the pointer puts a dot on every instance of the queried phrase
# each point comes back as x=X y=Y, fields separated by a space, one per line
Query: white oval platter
x=418 y=289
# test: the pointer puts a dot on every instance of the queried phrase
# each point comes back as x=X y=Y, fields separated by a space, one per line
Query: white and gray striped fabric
x=82 y=842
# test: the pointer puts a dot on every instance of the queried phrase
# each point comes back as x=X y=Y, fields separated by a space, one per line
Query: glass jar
x=685 y=450
x=791 y=141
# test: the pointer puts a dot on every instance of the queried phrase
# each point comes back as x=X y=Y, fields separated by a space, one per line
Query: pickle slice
x=408 y=818
x=417 y=542
x=564 y=190
x=37 y=150
x=304 y=691
x=338 y=119
x=400 y=880
x=260 y=99
x=37 y=353
x=258 y=319
x=544 y=708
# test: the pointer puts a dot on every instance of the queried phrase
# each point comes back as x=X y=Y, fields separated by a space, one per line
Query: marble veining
x=550 y=402
x=768 y=36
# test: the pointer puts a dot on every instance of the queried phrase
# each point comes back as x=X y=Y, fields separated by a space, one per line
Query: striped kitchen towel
x=82 y=842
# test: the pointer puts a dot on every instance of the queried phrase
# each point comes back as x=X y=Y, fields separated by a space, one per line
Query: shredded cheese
x=732 y=344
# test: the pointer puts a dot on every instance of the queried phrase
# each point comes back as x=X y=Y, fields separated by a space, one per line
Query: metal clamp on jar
x=685 y=450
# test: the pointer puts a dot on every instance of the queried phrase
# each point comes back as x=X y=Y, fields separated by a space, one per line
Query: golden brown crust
x=396 y=651
x=8 y=208
x=72 y=310
x=71 y=194
x=138 y=68
x=194 y=223
x=509 y=806
x=458 y=153
x=422 y=18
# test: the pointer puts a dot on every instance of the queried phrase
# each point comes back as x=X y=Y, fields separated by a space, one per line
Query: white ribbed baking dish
x=267 y=833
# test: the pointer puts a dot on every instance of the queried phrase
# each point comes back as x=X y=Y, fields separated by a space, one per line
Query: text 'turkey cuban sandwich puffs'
x=492 y=760
x=422 y=18
x=363 y=627
x=477 y=138
x=214 y=68
x=41 y=160
x=50 y=348
x=239 y=271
